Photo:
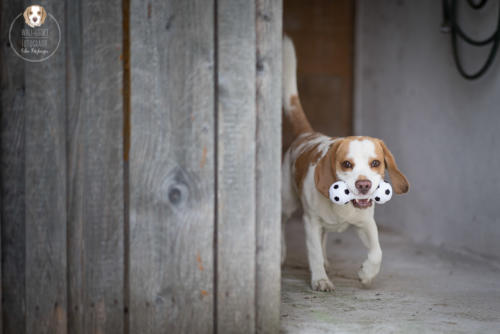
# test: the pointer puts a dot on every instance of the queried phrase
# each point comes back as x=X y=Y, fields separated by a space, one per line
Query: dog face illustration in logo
x=34 y=16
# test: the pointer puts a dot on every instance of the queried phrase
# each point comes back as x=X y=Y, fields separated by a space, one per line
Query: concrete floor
x=420 y=289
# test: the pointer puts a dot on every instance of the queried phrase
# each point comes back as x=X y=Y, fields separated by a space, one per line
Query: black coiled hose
x=450 y=24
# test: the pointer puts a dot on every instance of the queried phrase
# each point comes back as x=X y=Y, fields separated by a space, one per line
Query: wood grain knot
x=177 y=186
x=169 y=23
x=265 y=16
x=174 y=195
x=260 y=65
x=178 y=194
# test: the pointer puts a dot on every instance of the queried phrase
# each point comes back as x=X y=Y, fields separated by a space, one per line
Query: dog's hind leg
x=283 y=244
x=289 y=200
x=319 y=279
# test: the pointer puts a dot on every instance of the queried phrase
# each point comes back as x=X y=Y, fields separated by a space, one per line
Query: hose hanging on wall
x=450 y=25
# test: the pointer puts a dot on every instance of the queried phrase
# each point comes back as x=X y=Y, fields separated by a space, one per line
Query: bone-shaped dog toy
x=339 y=194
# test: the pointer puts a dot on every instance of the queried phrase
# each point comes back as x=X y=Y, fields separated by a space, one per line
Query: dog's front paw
x=368 y=272
x=323 y=284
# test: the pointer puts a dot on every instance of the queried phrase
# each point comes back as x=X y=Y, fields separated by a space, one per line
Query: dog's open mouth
x=362 y=203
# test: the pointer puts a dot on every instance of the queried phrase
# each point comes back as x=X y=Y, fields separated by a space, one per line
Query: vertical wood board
x=12 y=175
x=45 y=187
x=95 y=166
x=172 y=167
x=236 y=115
x=268 y=165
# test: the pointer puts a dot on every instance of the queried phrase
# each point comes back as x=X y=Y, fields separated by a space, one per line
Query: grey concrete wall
x=443 y=130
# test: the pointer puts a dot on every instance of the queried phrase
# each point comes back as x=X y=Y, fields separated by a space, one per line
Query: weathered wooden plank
x=12 y=175
x=236 y=115
x=45 y=187
x=172 y=166
x=268 y=162
x=95 y=167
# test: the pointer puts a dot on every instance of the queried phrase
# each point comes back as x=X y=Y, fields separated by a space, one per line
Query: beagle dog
x=34 y=16
x=312 y=164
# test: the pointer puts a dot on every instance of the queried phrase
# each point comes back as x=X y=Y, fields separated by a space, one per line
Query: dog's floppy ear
x=44 y=15
x=25 y=14
x=399 y=181
x=325 y=172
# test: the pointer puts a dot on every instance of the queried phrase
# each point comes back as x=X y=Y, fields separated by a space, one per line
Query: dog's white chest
x=337 y=217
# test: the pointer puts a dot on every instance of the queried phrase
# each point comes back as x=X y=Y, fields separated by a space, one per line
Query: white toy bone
x=339 y=194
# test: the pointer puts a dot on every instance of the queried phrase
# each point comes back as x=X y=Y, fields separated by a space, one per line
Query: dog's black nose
x=363 y=186
x=34 y=19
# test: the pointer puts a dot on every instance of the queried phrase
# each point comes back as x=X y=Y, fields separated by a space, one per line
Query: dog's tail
x=291 y=102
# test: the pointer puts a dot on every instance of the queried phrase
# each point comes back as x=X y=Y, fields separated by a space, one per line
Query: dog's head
x=34 y=16
x=361 y=163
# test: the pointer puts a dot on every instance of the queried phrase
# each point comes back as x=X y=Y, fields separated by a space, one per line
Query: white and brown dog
x=310 y=166
x=34 y=16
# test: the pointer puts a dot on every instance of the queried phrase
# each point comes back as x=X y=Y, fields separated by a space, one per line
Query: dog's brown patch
x=308 y=156
x=298 y=120
x=341 y=154
x=325 y=173
x=399 y=181
x=379 y=155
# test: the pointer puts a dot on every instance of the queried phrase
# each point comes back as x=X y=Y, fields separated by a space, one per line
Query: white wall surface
x=443 y=130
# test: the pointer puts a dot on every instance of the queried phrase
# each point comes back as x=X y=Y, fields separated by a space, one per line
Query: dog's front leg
x=368 y=234
x=319 y=279
x=324 y=241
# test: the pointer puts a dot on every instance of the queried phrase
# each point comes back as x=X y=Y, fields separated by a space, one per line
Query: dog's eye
x=31 y=12
x=347 y=164
x=375 y=163
x=39 y=12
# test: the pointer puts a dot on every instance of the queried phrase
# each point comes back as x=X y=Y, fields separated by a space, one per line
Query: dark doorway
x=322 y=31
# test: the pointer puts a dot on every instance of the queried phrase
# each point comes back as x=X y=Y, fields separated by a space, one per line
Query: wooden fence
x=140 y=175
